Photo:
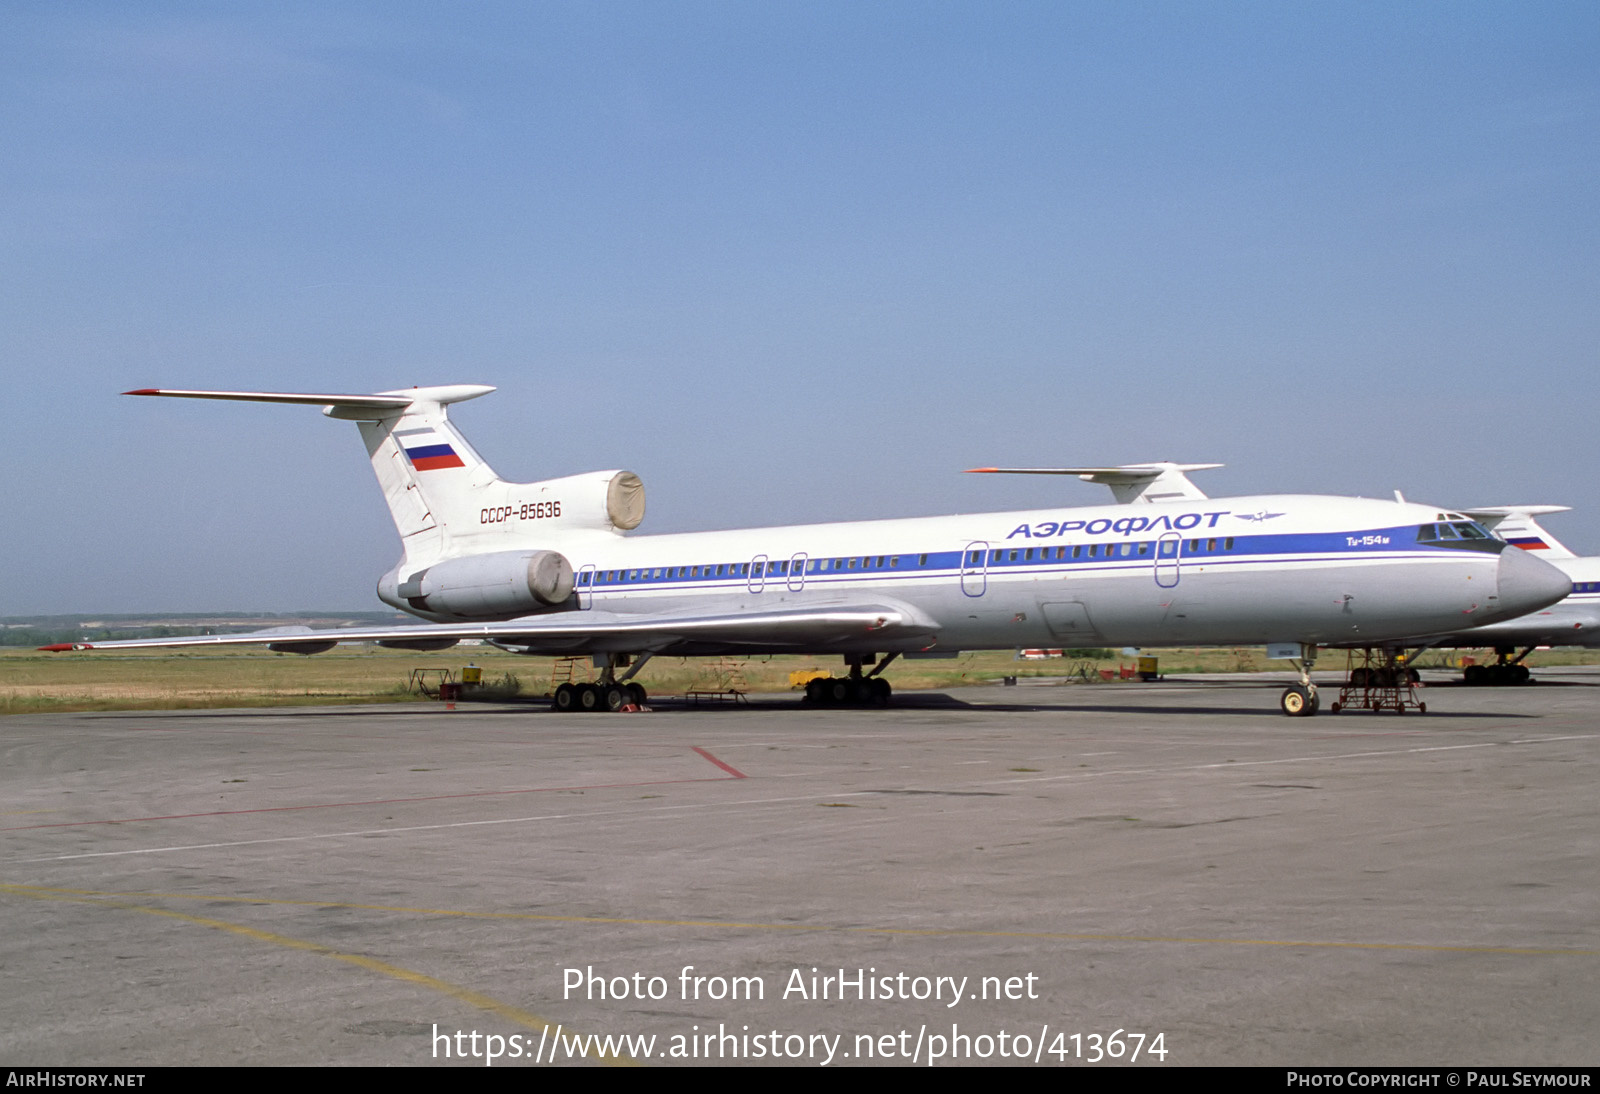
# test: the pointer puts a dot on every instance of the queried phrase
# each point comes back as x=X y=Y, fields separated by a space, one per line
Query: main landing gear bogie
x=1383 y=677
x=849 y=691
x=855 y=690
x=1379 y=680
x=1495 y=675
x=1506 y=670
x=594 y=698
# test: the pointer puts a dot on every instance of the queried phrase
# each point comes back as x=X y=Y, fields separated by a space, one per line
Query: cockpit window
x=1459 y=534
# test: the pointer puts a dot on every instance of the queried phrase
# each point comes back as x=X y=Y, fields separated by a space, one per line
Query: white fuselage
x=1250 y=570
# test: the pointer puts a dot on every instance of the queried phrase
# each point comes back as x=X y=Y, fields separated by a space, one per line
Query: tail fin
x=443 y=497
x=428 y=471
x=1515 y=525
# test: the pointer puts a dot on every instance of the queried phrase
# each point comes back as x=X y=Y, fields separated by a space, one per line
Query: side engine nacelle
x=491 y=586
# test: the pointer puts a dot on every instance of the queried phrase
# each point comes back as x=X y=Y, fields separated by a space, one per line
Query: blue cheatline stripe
x=909 y=565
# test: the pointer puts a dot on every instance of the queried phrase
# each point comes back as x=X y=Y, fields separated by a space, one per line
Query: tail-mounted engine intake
x=603 y=499
x=505 y=583
x=611 y=501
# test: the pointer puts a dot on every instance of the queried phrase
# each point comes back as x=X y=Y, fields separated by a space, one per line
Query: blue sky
x=787 y=261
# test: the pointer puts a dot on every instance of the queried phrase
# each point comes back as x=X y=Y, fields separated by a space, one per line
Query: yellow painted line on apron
x=476 y=999
x=909 y=932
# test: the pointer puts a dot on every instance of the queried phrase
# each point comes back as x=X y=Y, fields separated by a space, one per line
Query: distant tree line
x=52 y=630
x=41 y=636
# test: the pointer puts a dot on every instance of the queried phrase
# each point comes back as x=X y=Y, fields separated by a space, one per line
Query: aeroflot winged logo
x=428 y=451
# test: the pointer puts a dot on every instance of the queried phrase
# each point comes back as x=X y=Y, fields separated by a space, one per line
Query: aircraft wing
x=878 y=626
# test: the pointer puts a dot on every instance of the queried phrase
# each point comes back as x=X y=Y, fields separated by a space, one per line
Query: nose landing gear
x=1301 y=700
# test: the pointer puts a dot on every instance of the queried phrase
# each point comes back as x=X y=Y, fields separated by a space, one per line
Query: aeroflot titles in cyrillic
x=1126 y=526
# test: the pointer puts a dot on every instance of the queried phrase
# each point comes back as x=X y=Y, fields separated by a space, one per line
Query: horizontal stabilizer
x=1133 y=482
x=382 y=404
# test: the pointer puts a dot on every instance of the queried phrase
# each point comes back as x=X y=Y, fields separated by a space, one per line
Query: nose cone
x=1527 y=584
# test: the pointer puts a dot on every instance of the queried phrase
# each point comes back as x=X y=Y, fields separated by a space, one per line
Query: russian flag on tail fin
x=427 y=450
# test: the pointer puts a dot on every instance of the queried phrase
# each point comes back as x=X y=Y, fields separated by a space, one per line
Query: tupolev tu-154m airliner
x=547 y=568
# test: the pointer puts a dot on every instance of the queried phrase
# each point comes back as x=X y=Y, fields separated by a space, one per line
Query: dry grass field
x=31 y=681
